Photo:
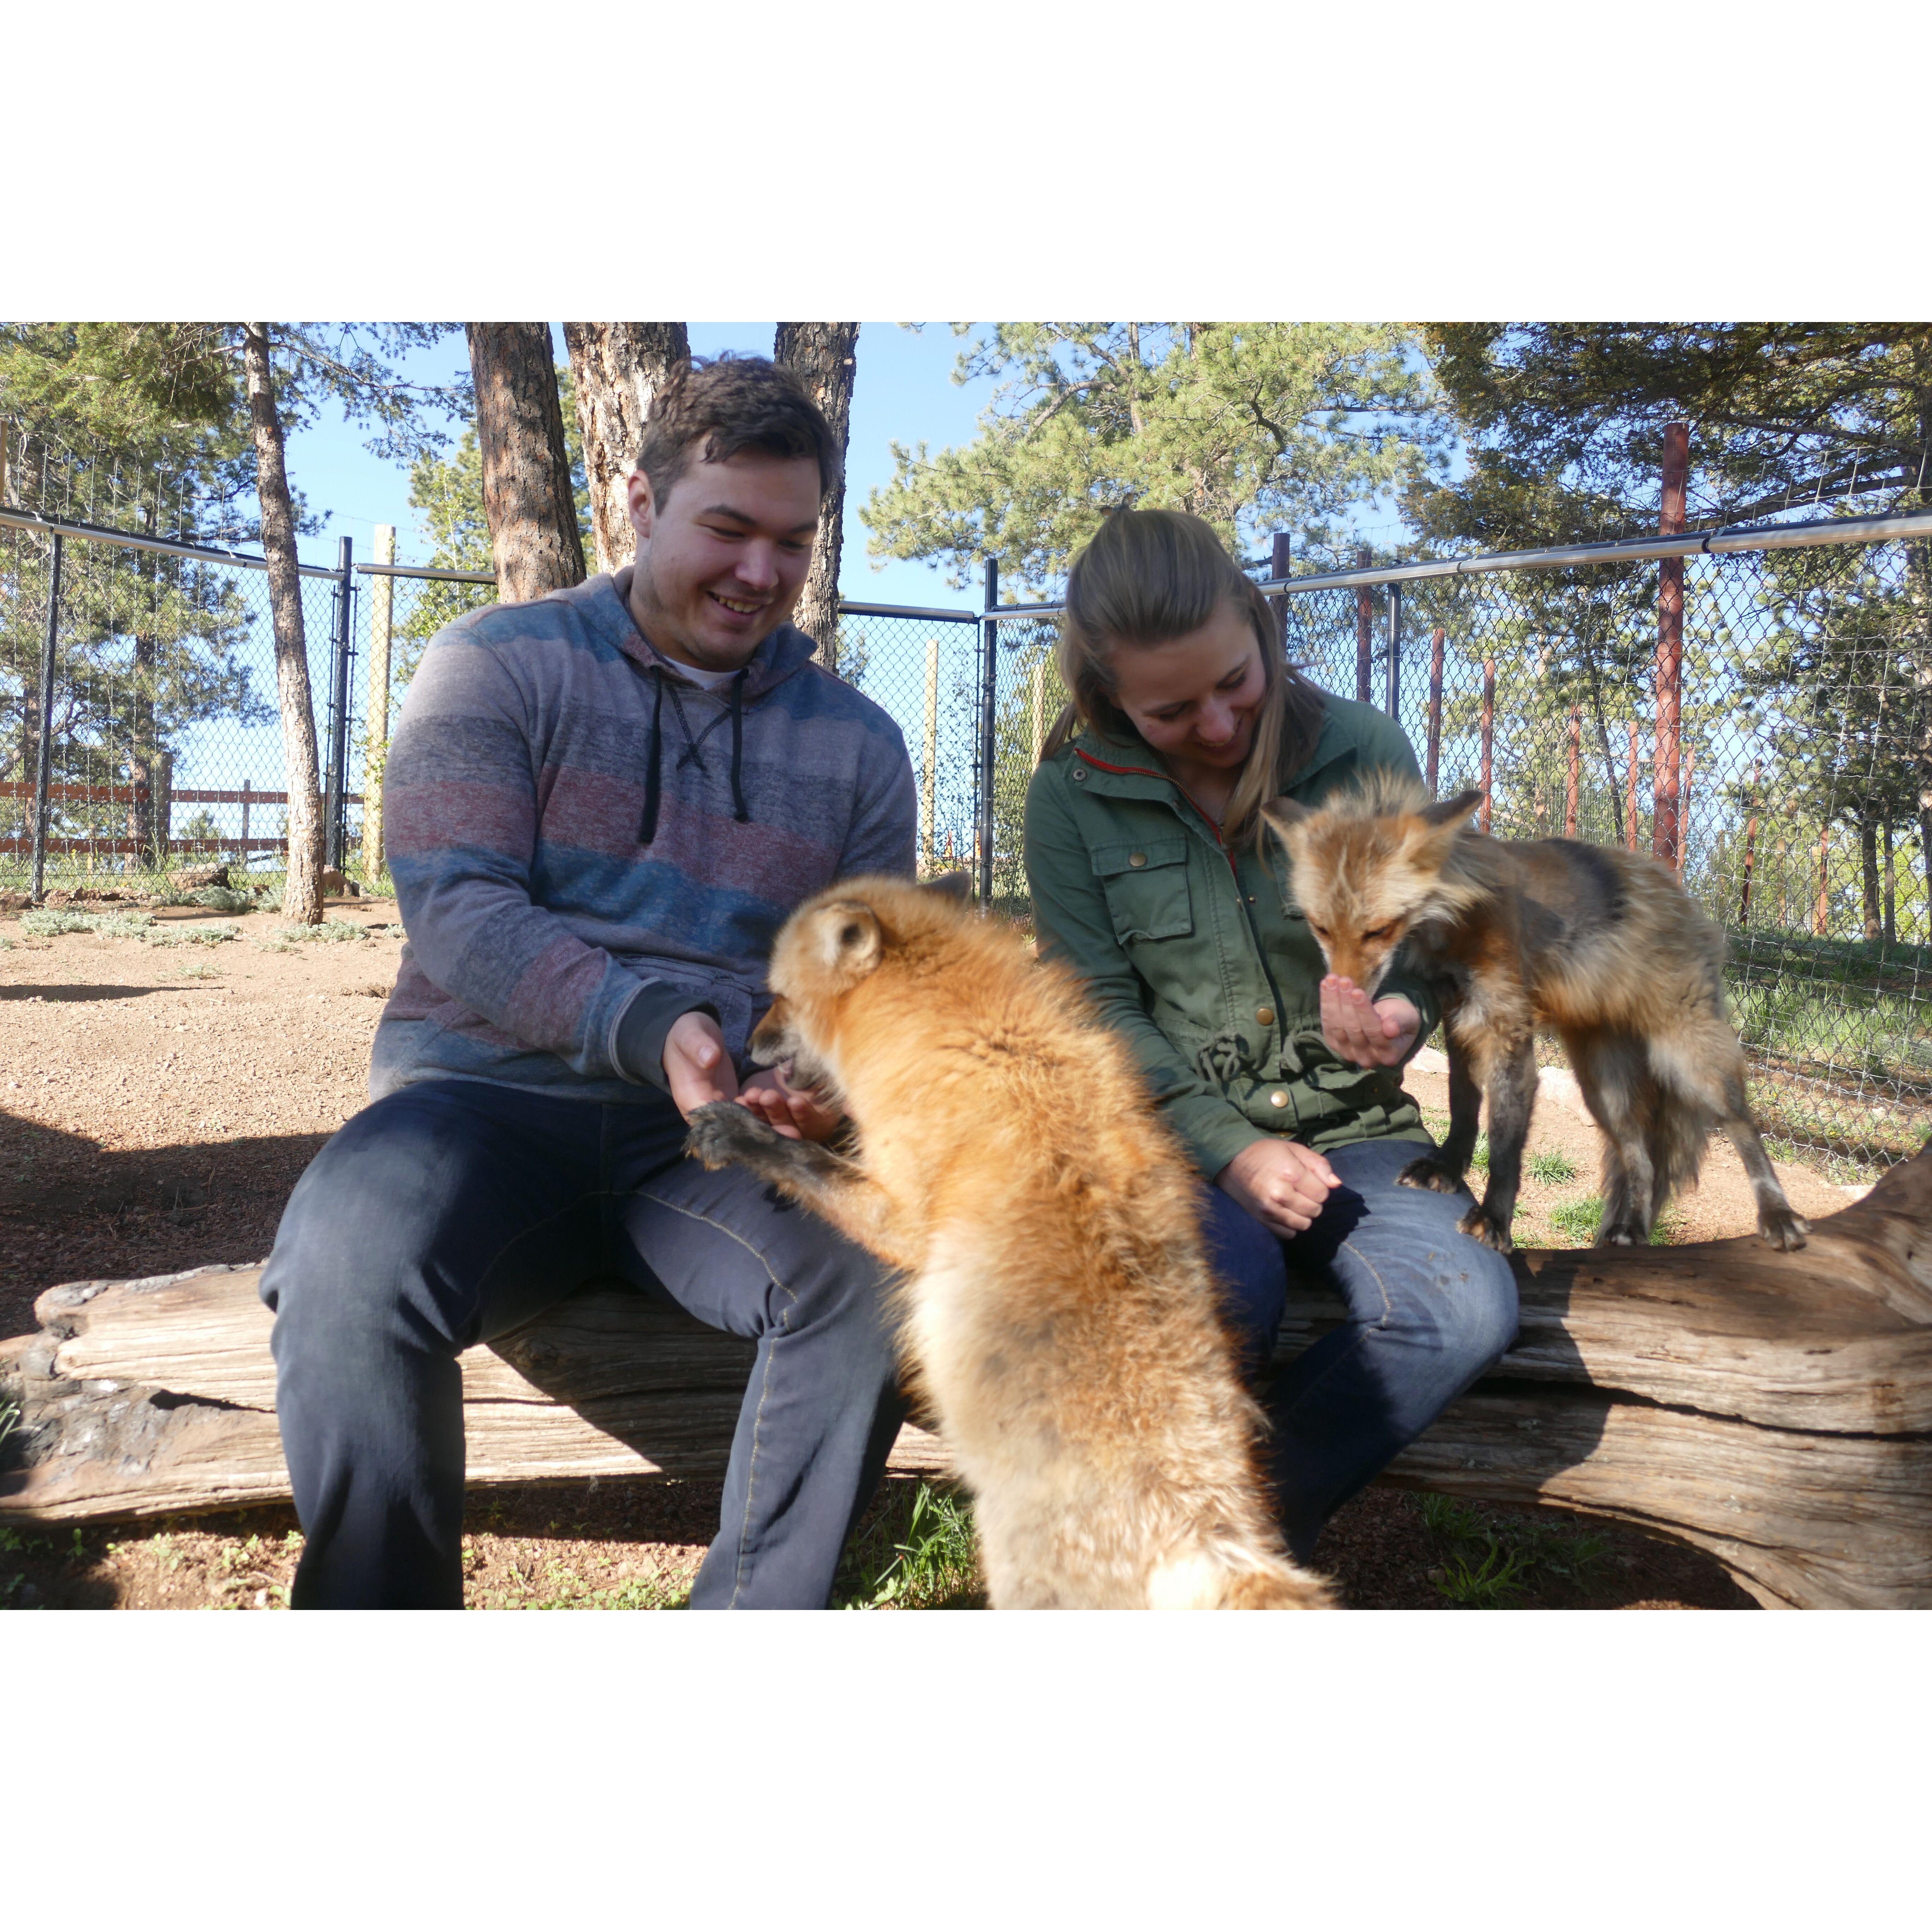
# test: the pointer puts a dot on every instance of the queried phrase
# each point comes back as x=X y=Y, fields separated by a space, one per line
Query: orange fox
x=1603 y=945
x=1056 y=1304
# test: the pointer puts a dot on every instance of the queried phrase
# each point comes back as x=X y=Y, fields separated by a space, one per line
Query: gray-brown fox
x=1056 y=1300
x=1602 y=946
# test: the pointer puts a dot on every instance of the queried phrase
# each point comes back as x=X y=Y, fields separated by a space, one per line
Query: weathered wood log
x=1774 y=1409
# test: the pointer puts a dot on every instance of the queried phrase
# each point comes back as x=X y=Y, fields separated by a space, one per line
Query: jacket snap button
x=1264 y=1015
x=1277 y=1099
x=1137 y=858
x=1079 y=774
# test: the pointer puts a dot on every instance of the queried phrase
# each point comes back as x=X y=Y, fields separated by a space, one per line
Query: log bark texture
x=824 y=356
x=1774 y=1409
x=618 y=367
x=301 y=896
x=526 y=493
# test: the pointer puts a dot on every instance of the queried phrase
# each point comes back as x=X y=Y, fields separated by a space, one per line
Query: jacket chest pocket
x=1146 y=886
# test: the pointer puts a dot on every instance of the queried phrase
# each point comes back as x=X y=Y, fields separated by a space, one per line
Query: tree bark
x=301 y=896
x=526 y=494
x=1774 y=1409
x=824 y=354
x=618 y=368
x=1868 y=866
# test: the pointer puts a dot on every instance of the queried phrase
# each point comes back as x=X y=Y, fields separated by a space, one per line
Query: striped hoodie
x=573 y=827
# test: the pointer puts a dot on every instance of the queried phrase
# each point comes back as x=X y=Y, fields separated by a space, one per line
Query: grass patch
x=1479 y=1159
x=330 y=932
x=1488 y=1567
x=195 y=972
x=53 y=921
x=193 y=935
x=1576 y=1220
x=919 y=1554
x=1552 y=1169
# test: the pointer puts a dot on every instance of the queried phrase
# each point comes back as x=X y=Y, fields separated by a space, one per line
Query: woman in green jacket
x=1151 y=879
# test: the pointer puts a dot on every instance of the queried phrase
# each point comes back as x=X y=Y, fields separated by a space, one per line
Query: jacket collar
x=1136 y=766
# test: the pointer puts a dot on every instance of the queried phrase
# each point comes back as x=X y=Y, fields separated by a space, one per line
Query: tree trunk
x=301 y=897
x=1890 y=888
x=526 y=494
x=1868 y=863
x=618 y=368
x=824 y=354
x=1775 y=1409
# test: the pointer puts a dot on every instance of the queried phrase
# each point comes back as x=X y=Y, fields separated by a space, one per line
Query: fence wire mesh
x=1799 y=765
x=1790 y=794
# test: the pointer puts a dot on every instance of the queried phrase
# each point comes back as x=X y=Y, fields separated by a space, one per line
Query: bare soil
x=158 y=1102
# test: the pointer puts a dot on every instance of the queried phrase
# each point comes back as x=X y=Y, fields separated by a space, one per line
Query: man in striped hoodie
x=600 y=807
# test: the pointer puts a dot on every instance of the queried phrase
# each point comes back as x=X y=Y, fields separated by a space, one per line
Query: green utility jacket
x=1197 y=953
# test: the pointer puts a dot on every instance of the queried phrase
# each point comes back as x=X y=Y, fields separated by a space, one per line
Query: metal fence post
x=989 y=695
x=1393 y=704
x=1665 y=840
x=334 y=812
x=44 y=760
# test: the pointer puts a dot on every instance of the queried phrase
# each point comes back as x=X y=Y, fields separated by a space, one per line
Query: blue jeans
x=452 y=1211
x=1429 y=1311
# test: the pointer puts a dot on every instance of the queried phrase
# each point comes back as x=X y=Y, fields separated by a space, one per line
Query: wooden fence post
x=1575 y=777
x=1821 y=913
x=1039 y=710
x=1434 y=708
x=382 y=609
x=1630 y=792
x=1364 y=612
x=1489 y=739
x=1665 y=834
x=928 y=777
x=1684 y=810
x=1750 y=845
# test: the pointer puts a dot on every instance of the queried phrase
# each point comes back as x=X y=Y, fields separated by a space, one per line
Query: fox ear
x=846 y=938
x=1449 y=810
x=955 y=885
x=1282 y=815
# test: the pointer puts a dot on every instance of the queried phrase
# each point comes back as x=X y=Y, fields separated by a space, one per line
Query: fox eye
x=1380 y=931
x=1320 y=932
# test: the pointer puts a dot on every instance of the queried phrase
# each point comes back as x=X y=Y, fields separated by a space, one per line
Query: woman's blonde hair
x=1147 y=577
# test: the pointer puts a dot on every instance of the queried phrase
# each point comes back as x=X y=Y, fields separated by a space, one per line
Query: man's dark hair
x=720 y=407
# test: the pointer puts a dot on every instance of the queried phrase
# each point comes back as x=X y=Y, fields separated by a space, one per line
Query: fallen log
x=1775 y=1409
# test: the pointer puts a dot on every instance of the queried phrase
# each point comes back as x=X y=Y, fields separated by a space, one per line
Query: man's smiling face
x=722 y=560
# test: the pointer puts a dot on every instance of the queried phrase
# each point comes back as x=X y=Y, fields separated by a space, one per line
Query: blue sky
x=903 y=392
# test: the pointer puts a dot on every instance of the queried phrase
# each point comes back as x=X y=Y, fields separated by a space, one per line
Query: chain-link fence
x=1760 y=718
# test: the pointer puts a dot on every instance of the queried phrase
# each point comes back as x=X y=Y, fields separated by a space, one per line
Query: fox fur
x=1603 y=946
x=1055 y=1303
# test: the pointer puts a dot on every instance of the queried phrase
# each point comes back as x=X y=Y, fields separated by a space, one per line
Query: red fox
x=1056 y=1304
x=1603 y=945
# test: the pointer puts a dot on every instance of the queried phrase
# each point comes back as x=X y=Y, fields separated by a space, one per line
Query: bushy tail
x=1219 y=1579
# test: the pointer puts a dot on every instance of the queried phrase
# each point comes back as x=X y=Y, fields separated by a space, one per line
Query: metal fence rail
x=1753 y=707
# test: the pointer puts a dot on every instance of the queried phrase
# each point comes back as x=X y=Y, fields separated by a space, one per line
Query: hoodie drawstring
x=740 y=811
x=648 y=830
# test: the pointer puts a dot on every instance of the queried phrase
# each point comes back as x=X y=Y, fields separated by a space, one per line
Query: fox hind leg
x=1614 y=1073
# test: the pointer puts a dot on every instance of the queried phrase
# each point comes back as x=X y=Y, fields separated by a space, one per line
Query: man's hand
x=795 y=1111
x=1366 y=1032
x=697 y=1069
x=1282 y=1184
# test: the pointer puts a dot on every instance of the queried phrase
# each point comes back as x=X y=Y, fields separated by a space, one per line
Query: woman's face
x=1195 y=699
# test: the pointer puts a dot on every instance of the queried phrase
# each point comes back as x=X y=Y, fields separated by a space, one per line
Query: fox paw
x=1621 y=1234
x=1479 y=1224
x=1780 y=1228
x=724 y=1131
x=1430 y=1175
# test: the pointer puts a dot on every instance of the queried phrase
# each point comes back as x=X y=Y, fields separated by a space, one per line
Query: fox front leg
x=1512 y=1098
x=724 y=1134
x=1442 y=1172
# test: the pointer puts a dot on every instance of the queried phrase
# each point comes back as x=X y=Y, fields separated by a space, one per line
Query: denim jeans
x=1429 y=1311
x=451 y=1211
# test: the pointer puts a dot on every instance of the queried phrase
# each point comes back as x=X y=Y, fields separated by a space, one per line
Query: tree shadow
x=66 y=995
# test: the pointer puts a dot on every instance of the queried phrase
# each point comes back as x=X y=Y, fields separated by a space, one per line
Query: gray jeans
x=451 y=1211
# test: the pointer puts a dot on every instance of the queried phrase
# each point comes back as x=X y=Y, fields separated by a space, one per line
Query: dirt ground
x=158 y=1102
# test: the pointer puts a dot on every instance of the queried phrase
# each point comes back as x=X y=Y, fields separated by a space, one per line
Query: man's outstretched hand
x=699 y=1072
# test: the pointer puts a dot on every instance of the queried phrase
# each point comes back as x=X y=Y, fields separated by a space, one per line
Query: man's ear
x=846 y=938
x=955 y=885
x=642 y=508
x=1449 y=810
